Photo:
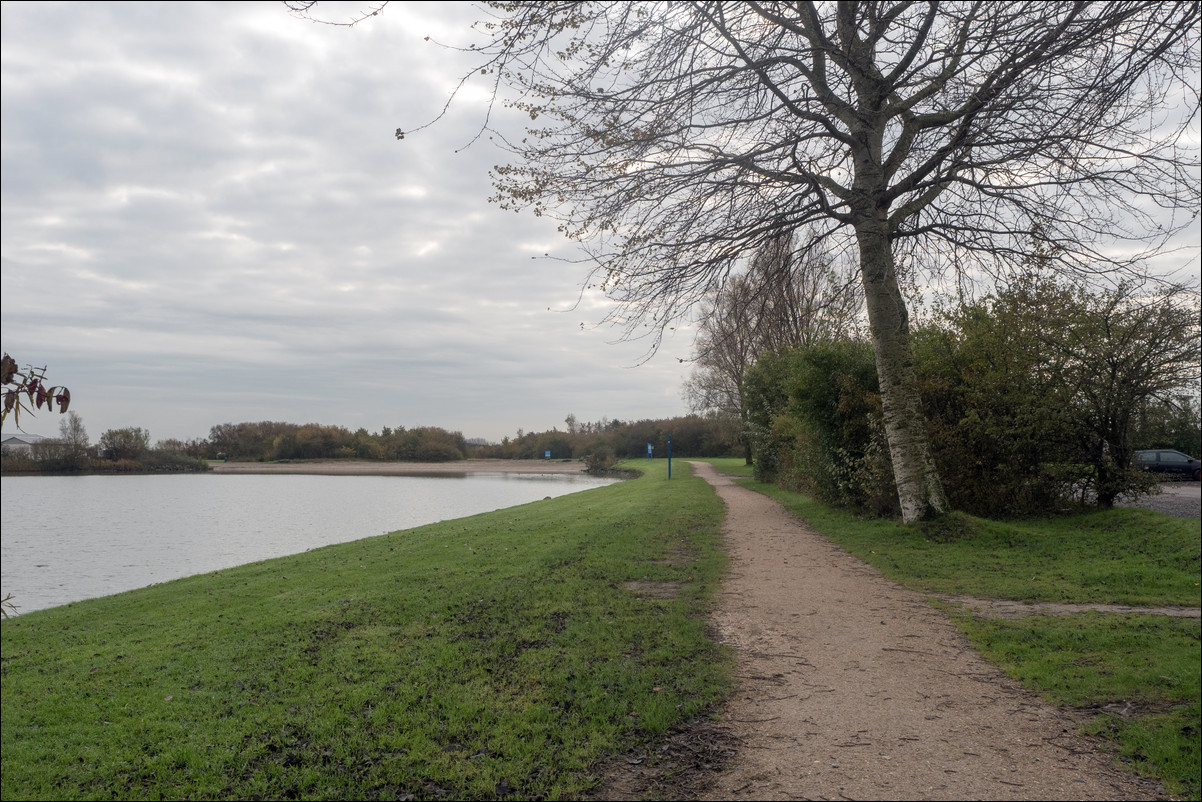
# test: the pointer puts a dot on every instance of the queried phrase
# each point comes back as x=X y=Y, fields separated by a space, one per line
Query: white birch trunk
x=919 y=489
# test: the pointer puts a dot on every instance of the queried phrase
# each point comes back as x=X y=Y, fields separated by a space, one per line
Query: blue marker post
x=669 y=456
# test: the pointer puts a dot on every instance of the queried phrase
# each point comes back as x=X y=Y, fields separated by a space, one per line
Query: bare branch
x=304 y=10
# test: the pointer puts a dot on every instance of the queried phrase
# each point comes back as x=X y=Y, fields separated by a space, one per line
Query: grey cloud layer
x=206 y=218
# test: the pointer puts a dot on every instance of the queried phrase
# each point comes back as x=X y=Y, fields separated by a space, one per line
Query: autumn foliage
x=27 y=390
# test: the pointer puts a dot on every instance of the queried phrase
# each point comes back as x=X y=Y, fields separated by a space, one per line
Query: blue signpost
x=669 y=456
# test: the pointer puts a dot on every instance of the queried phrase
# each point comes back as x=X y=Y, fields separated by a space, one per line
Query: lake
x=67 y=538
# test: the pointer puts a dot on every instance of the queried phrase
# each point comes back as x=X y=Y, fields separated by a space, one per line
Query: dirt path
x=852 y=687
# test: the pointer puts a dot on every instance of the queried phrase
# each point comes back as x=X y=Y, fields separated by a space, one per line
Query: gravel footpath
x=853 y=687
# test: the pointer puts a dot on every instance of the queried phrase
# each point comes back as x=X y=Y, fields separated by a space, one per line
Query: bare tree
x=799 y=296
x=725 y=347
x=74 y=436
x=673 y=138
x=785 y=298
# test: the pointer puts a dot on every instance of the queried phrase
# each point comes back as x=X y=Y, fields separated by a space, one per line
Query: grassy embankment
x=1148 y=664
x=503 y=654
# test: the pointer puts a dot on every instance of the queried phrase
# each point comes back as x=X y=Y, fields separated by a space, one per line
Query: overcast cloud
x=207 y=219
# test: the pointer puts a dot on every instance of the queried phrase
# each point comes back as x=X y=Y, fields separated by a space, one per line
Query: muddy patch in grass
x=655 y=590
x=681 y=766
x=678 y=557
x=1007 y=609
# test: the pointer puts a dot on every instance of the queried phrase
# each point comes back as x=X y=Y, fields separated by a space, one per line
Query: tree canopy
x=674 y=139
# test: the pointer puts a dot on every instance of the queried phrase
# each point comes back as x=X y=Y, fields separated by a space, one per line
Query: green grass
x=1137 y=676
x=506 y=654
x=502 y=654
x=1138 y=673
x=1120 y=556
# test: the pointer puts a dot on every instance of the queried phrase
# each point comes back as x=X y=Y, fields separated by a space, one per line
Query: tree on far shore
x=74 y=437
x=128 y=443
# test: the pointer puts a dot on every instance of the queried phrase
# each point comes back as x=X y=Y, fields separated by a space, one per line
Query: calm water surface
x=67 y=538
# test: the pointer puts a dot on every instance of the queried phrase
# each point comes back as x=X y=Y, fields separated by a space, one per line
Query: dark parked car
x=1165 y=460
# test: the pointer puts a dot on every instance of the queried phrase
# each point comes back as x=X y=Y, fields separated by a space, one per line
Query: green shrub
x=816 y=425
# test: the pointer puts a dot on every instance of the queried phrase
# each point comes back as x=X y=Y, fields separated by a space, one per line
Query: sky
x=207 y=218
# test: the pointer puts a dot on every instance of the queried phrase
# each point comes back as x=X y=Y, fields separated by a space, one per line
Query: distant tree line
x=605 y=440
x=125 y=450
x=267 y=441
x=274 y=440
x=601 y=443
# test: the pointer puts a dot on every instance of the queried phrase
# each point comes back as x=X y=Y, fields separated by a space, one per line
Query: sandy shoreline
x=459 y=468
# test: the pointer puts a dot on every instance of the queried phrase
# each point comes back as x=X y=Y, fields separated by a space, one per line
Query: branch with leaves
x=25 y=391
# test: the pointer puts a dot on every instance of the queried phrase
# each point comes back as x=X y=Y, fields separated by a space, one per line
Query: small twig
x=789 y=656
x=754 y=720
